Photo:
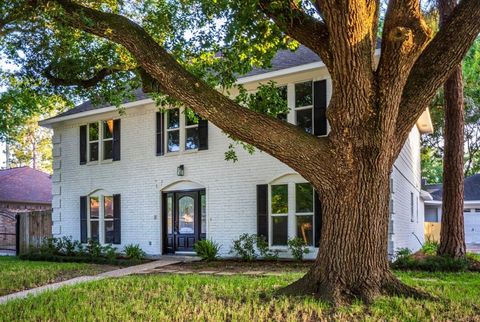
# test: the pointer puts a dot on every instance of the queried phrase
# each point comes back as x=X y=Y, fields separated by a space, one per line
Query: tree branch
x=293 y=20
x=436 y=63
x=283 y=141
x=85 y=83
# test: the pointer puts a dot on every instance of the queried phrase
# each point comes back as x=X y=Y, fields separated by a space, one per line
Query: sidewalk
x=164 y=261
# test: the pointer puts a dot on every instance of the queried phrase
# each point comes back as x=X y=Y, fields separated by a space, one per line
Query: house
x=21 y=189
x=160 y=180
x=433 y=209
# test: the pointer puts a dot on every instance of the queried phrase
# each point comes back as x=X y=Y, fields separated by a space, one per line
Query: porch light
x=180 y=170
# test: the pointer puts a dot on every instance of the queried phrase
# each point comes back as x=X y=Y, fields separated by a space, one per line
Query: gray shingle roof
x=282 y=60
x=25 y=184
x=471 y=186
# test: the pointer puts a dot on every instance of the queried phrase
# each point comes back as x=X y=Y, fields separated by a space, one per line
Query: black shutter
x=317 y=219
x=320 y=107
x=262 y=210
x=160 y=134
x=116 y=140
x=83 y=219
x=202 y=134
x=116 y=220
x=83 y=144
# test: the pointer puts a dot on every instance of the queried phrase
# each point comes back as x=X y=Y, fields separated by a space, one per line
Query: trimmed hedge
x=81 y=259
x=432 y=264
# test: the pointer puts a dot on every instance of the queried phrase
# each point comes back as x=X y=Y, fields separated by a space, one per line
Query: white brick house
x=157 y=180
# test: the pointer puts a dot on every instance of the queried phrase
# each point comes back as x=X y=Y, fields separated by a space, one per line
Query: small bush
x=32 y=256
x=51 y=245
x=265 y=252
x=93 y=248
x=134 y=251
x=244 y=247
x=432 y=263
x=109 y=252
x=298 y=248
x=207 y=249
x=430 y=247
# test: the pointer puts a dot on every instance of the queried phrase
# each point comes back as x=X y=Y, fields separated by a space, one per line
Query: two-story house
x=160 y=179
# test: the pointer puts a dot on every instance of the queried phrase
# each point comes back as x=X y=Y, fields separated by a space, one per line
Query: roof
x=282 y=60
x=471 y=189
x=25 y=185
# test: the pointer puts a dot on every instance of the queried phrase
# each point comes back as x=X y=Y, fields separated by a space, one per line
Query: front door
x=183 y=219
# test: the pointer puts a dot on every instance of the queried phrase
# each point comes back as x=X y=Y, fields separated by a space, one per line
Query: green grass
x=240 y=298
x=17 y=275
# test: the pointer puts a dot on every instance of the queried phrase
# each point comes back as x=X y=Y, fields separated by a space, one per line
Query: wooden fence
x=432 y=231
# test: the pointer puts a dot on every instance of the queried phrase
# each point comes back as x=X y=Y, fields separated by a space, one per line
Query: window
x=304 y=105
x=279 y=205
x=182 y=130
x=412 y=209
x=100 y=219
x=173 y=130
x=300 y=212
x=466 y=210
x=100 y=141
x=304 y=212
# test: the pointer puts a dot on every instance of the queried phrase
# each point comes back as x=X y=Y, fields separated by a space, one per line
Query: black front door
x=183 y=217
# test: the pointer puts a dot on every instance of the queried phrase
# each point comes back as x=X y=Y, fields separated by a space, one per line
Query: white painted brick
x=57 y=150
x=57 y=164
x=57 y=138
x=56 y=190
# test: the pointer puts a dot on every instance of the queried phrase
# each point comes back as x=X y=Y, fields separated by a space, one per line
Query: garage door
x=472 y=227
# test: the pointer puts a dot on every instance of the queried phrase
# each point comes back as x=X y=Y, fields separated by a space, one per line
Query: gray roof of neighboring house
x=25 y=185
x=282 y=60
x=471 y=186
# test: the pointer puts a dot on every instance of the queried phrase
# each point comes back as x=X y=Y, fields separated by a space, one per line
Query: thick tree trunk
x=452 y=234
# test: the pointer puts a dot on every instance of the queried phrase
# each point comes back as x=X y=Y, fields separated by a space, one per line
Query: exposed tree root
x=339 y=294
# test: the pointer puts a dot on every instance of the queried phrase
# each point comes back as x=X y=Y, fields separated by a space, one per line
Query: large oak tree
x=170 y=48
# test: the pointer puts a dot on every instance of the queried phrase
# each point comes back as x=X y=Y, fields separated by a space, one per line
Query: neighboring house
x=433 y=208
x=25 y=188
x=160 y=180
x=21 y=189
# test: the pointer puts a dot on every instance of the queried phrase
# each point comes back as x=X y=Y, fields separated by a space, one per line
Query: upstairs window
x=173 y=130
x=182 y=130
x=304 y=105
x=191 y=130
x=100 y=141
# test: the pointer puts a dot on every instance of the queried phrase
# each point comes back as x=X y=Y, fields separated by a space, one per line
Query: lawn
x=175 y=297
x=17 y=275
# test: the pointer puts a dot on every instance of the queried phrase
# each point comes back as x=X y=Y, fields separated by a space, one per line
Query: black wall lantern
x=180 y=170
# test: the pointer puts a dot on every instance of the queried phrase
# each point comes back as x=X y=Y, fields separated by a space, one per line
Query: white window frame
x=102 y=123
x=100 y=141
x=292 y=211
x=101 y=217
x=312 y=214
x=182 y=128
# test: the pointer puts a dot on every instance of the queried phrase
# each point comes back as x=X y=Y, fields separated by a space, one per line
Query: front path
x=164 y=261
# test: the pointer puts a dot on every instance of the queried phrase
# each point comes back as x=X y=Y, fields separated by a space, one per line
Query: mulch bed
x=236 y=266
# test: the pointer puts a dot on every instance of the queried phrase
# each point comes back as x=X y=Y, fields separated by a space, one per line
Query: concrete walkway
x=164 y=261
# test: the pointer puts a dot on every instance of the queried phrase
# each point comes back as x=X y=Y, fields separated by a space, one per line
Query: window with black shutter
x=262 y=210
x=83 y=144
x=159 y=133
x=116 y=140
x=83 y=219
x=320 y=107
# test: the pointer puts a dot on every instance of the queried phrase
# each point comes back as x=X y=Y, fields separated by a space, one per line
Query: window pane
x=191 y=139
x=107 y=150
x=203 y=203
x=305 y=229
x=304 y=197
x=304 y=120
x=173 y=144
x=280 y=199
x=108 y=204
x=93 y=131
x=303 y=94
x=170 y=215
x=190 y=117
x=109 y=232
x=108 y=129
x=94 y=231
x=173 y=118
x=94 y=211
x=186 y=212
x=280 y=230
x=94 y=151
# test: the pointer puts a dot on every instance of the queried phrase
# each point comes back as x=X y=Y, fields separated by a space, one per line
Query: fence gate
x=8 y=233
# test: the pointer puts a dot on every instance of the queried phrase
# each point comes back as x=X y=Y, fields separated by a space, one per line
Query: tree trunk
x=452 y=234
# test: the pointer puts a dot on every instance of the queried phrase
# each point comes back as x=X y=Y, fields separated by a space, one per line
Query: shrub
x=298 y=247
x=109 y=252
x=430 y=247
x=134 y=251
x=51 y=245
x=69 y=246
x=93 y=248
x=432 y=264
x=207 y=249
x=265 y=252
x=244 y=247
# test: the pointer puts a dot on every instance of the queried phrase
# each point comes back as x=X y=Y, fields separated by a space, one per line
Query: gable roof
x=25 y=185
x=283 y=59
x=471 y=189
